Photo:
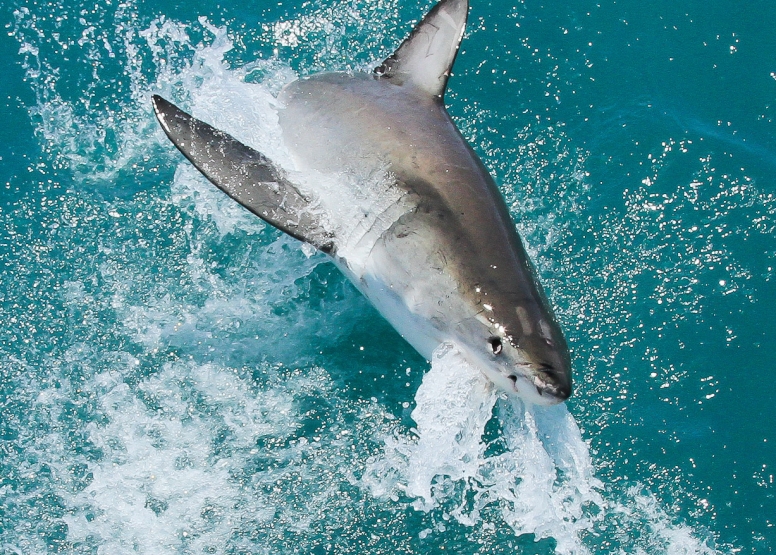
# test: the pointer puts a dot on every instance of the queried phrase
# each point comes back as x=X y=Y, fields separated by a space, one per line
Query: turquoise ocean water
x=176 y=377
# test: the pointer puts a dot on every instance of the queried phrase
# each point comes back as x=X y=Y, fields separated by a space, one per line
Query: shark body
x=431 y=244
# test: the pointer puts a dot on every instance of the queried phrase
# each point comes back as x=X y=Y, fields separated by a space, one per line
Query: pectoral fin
x=244 y=174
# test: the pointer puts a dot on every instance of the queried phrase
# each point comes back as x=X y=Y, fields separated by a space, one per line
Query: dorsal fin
x=425 y=58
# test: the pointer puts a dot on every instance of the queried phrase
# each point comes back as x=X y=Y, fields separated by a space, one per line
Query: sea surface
x=177 y=377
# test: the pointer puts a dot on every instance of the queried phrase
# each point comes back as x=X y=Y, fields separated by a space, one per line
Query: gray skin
x=438 y=255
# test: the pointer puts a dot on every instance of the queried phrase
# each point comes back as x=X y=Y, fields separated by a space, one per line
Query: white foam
x=162 y=486
x=542 y=483
x=453 y=405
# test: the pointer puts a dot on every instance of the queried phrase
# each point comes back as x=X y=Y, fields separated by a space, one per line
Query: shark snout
x=542 y=386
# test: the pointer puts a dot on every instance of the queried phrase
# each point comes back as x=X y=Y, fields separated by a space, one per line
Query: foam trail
x=546 y=451
x=542 y=481
x=449 y=427
x=541 y=486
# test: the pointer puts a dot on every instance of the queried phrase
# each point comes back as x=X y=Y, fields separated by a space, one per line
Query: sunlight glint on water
x=198 y=455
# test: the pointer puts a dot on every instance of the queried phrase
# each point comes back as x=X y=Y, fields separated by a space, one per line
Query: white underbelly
x=401 y=279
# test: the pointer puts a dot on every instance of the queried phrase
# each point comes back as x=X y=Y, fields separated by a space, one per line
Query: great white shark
x=432 y=245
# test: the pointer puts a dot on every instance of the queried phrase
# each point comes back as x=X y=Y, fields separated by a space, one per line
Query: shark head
x=518 y=345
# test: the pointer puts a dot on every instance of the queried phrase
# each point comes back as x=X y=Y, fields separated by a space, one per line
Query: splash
x=538 y=471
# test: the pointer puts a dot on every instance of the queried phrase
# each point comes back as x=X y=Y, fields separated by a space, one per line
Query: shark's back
x=333 y=121
x=361 y=113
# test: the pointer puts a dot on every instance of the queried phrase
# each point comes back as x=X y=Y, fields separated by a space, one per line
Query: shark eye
x=495 y=345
